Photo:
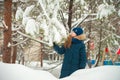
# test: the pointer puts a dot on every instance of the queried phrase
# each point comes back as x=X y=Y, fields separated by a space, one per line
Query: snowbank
x=98 y=73
x=20 y=72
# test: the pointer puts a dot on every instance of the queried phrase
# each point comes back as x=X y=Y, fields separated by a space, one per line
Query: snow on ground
x=20 y=72
x=53 y=67
x=98 y=73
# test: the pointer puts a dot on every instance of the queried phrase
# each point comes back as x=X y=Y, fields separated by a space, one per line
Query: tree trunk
x=98 y=56
x=14 y=9
x=7 y=33
x=70 y=15
x=41 y=54
x=14 y=52
x=88 y=46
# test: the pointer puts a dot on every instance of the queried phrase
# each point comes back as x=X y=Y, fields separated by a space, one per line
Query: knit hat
x=78 y=30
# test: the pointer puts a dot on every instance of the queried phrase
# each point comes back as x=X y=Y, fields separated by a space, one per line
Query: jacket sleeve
x=83 y=57
x=59 y=49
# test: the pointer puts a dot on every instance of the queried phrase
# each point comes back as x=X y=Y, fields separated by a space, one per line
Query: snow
x=82 y=2
x=104 y=10
x=119 y=12
x=101 y=73
x=57 y=36
x=43 y=8
x=60 y=29
x=19 y=14
x=52 y=29
x=20 y=0
x=25 y=20
x=31 y=27
x=21 y=72
x=28 y=10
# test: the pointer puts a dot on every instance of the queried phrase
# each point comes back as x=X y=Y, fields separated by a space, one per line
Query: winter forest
x=28 y=29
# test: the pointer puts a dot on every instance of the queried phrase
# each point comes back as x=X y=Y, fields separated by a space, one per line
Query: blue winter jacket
x=74 y=57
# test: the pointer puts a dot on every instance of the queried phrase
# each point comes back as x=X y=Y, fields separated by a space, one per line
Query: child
x=74 y=51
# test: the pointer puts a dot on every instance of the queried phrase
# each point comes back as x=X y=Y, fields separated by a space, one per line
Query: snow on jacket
x=74 y=57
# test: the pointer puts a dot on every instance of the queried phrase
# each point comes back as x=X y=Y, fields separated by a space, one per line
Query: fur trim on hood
x=81 y=37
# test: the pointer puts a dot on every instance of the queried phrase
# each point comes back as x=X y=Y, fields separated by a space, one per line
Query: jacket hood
x=81 y=37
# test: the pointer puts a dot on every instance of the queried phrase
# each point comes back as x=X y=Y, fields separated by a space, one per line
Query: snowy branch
x=4 y=24
x=63 y=19
x=105 y=38
x=20 y=42
x=40 y=1
x=79 y=21
x=33 y=38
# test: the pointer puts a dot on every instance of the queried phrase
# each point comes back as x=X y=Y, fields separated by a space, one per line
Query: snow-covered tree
x=104 y=10
x=49 y=18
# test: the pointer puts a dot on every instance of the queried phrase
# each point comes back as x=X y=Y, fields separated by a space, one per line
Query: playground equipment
x=108 y=59
x=117 y=55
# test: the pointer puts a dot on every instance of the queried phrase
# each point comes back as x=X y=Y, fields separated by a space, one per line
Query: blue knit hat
x=78 y=30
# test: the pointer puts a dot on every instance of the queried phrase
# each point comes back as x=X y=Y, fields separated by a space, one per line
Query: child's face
x=73 y=34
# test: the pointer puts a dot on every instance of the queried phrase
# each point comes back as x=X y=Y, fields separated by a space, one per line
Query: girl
x=74 y=51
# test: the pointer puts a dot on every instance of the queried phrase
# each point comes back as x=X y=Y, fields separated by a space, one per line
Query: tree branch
x=63 y=19
x=79 y=21
x=19 y=42
x=43 y=8
x=39 y=41
x=4 y=27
